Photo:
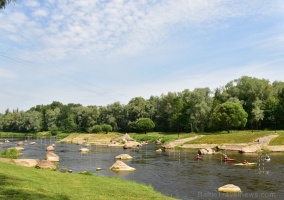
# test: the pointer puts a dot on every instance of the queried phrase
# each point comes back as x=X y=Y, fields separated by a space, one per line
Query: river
x=174 y=173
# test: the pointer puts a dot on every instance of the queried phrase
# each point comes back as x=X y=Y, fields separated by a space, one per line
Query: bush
x=54 y=131
x=10 y=153
x=106 y=128
x=97 y=129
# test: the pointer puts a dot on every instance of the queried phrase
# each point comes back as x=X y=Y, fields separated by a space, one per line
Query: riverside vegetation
x=28 y=183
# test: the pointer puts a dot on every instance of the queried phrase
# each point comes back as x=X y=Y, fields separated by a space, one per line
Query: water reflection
x=173 y=173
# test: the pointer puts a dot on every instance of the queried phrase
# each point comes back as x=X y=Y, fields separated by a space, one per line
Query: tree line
x=244 y=103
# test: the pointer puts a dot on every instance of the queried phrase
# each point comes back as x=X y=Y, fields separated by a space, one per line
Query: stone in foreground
x=229 y=188
x=26 y=162
x=120 y=166
x=46 y=164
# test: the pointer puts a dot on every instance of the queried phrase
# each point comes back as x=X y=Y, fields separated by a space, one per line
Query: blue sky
x=96 y=52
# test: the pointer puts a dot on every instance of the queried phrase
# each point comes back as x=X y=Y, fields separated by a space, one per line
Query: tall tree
x=230 y=115
x=136 y=108
x=1 y=121
x=144 y=124
x=257 y=113
x=248 y=90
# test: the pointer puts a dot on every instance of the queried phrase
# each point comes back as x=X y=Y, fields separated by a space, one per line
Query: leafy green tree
x=3 y=3
x=114 y=115
x=136 y=108
x=65 y=120
x=51 y=118
x=32 y=121
x=97 y=129
x=196 y=109
x=14 y=121
x=168 y=112
x=248 y=90
x=280 y=109
x=106 y=128
x=54 y=130
x=1 y=121
x=230 y=114
x=257 y=113
x=144 y=124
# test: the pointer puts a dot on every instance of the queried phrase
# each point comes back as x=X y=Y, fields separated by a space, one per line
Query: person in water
x=245 y=162
x=225 y=156
x=267 y=157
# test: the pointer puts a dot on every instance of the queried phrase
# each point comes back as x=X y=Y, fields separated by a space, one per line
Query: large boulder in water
x=207 y=151
x=121 y=166
x=21 y=143
x=50 y=148
x=131 y=144
x=52 y=157
x=123 y=138
x=229 y=188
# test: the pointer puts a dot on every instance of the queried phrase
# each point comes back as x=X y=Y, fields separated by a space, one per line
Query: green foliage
x=97 y=129
x=106 y=128
x=144 y=124
x=230 y=115
x=54 y=130
x=10 y=153
x=186 y=111
x=163 y=137
x=86 y=173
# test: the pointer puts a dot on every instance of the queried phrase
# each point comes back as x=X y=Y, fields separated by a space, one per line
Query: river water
x=174 y=173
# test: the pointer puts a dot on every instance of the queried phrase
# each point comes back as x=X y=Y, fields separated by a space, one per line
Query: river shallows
x=173 y=173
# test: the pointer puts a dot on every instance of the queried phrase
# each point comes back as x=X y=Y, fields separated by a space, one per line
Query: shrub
x=97 y=129
x=10 y=153
x=106 y=128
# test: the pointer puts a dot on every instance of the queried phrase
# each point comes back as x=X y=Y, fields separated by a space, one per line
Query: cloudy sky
x=97 y=52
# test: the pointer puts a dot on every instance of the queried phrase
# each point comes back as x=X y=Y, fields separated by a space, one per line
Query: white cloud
x=31 y=3
x=125 y=40
x=119 y=27
x=40 y=13
x=7 y=74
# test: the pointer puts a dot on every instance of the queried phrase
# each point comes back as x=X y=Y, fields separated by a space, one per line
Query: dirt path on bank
x=180 y=142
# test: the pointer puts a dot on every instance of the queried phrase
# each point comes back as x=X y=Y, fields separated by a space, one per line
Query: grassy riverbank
x=208 y=138
x=164 y=137
x=33 y=135
x=235 y=137
x=29 y=183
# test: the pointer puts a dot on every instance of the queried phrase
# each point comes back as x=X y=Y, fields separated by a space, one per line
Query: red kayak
x=228 y=159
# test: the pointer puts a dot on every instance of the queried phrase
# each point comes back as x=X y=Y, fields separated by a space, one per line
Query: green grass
x=165 y=137
x=19 y=182
x=235 y=137
x=278 y=140
x=11 y=134
x=12 y=153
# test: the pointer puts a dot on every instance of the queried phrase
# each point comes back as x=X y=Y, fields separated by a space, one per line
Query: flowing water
x=174 y=173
